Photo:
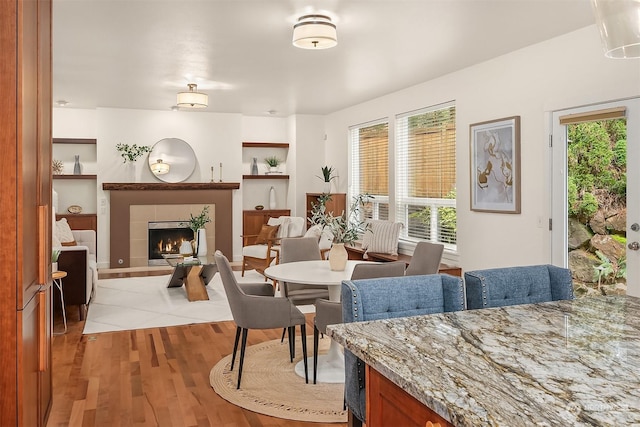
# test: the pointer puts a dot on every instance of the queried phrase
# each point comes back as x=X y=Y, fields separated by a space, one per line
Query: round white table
x=330 y=365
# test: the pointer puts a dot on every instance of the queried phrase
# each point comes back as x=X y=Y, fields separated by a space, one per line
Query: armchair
x=386 y=298
x=79 y=261
x=499 y=287
x=260 y=255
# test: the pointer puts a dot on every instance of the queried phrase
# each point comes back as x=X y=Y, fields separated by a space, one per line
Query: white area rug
x=146 y=302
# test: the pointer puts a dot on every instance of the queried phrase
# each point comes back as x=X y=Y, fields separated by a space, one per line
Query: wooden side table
x=57 y=277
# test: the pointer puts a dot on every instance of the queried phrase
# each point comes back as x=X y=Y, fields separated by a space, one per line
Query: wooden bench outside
x=355 y=252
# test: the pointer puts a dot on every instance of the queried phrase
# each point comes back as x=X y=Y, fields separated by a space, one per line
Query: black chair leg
x=303 y=332
x=291 y=345
x=235 y=346
x=315 y=353
x=242 y=349
x=284 y=330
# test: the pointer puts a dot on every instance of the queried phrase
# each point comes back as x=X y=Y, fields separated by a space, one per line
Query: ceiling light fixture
x=61 y=103
x=193 y=98
x=314 y=32
x=619 y=25
x=160 y=168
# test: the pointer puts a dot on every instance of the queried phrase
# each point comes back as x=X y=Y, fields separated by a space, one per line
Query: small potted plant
x=55 y=253
x=272 y=162
x=328 y=174
x=131 y=153
x=196 y=224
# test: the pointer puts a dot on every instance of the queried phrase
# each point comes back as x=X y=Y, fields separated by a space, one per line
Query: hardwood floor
x=149 y=377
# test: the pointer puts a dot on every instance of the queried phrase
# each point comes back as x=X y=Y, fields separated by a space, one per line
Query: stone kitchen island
x=563 y=363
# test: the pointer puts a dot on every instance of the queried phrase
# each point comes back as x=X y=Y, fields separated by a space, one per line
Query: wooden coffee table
x=194 y=273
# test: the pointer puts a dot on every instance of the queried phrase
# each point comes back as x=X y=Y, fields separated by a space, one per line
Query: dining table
x=318 y=273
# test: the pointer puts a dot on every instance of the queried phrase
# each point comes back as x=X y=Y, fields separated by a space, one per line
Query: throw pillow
x=55 y=242
x=267 y=232
x=314 y=231
x=64 y=234
x=283 y=222
x=383 y=237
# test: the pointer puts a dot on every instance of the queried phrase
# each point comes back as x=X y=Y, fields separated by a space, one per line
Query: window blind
x=426 y=173
x=369 y=143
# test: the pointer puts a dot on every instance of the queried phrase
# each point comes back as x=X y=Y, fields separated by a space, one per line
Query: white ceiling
x=140 y=53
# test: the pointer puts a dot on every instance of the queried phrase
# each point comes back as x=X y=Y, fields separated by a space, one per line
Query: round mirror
x=172 y=160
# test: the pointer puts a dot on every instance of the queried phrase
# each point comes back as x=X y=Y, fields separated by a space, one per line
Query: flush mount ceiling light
x=314 y=32
x=159 y=167
x=619 y=25
x=193 y=98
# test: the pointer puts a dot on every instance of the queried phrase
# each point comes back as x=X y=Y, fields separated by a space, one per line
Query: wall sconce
x=619 y=25
x=160 y=168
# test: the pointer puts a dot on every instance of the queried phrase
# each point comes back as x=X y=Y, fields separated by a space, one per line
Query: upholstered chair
x=498 y=287
x=386 y=298
x=259 y=310
x=261 y=250
x=330 y=313
x=425 y=259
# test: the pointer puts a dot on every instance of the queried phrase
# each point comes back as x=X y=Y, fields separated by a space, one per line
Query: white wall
x=567 y=71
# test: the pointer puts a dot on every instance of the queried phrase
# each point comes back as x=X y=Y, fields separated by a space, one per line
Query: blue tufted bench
x=499 y=287
x=386 y=298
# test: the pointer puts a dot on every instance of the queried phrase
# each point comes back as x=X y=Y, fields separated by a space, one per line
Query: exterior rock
x=618 y=222
x=597 y=223
x=578 y=234
x=609 y=247
x=582 y=265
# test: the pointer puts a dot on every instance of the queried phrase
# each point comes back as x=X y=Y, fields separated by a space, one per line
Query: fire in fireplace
x=165 y=238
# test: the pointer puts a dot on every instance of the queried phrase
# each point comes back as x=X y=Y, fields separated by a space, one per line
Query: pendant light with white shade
x=315 y=32
x=193 y=98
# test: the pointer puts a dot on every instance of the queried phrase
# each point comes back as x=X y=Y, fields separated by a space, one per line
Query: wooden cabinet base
x=389 y=405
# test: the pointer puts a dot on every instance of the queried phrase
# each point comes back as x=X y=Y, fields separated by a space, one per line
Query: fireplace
x=165 y=238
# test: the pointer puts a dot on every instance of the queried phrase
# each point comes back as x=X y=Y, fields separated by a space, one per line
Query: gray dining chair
x=388 y=298
x=301 y=249
x=499 y=287
x=426 y=259
x=330 y=313
x=259 y=311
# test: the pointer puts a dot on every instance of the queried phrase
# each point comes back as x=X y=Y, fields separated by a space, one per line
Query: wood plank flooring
x=150 y=377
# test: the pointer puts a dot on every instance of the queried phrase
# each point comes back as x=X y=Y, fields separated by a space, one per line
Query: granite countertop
x=563 y=363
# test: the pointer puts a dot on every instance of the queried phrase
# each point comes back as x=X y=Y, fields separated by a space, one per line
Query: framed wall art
x=495 y=165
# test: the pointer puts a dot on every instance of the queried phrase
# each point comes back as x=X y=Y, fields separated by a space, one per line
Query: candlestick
x=220 y=171
x=212 y=174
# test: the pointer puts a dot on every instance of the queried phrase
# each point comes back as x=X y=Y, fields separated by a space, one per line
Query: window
x=426 y=174
x=370 y=166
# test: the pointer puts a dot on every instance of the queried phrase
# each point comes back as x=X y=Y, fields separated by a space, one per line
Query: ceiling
x=140 y=53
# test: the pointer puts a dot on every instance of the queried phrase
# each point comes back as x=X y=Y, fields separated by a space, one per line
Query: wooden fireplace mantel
x=125 y=195
x=142 y=186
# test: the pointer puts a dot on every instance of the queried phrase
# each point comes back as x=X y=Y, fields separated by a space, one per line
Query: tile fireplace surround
x=142 y=202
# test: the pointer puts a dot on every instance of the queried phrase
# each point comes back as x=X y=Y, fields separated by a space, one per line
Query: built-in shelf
x=74 y=176
x=74 y=140
x=274 y=176
x=265 y=145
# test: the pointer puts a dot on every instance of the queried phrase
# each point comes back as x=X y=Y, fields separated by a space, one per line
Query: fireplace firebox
x=165 y=238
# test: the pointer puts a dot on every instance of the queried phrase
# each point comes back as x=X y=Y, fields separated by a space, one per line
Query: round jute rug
x=271 y=387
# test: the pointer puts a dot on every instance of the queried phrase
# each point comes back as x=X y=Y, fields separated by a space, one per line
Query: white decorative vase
x=201 y=242
x=186 y=248
x=338 y=257
x=327 y=188
x=130 y=171
x=54 y=267
x=272 y=198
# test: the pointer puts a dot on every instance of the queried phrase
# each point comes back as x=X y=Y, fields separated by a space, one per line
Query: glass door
x=595 y=196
